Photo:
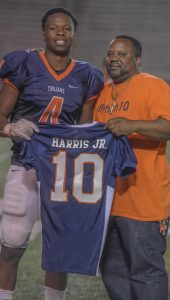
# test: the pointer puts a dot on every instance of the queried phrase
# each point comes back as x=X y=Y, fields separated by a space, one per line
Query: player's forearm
x=3 y=123
x=8 y=100
x=158 y=129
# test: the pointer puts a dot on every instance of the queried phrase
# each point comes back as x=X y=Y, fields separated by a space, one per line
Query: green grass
x=30 y=275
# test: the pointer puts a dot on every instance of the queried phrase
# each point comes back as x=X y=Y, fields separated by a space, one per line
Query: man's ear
x=43 y=36
x=74 y=38
x=138 y=62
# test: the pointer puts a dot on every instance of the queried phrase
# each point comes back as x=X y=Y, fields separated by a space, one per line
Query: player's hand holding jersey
x=22 y=128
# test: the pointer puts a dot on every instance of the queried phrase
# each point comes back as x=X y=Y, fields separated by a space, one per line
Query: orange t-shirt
x=145 y=195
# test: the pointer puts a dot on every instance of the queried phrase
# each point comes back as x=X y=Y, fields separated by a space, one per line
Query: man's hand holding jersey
x=121 y=126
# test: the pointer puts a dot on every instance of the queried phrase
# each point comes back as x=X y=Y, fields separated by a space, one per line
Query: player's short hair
x=136 y=44
x=55 y=11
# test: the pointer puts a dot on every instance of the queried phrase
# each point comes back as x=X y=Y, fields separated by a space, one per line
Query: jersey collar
x=52 y=71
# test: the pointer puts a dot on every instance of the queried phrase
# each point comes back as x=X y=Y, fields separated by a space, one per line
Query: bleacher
x=99 y=21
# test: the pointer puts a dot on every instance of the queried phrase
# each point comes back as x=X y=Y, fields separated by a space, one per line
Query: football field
x=30 y=276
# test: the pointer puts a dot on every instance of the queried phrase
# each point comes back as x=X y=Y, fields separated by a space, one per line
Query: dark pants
x=132 y=264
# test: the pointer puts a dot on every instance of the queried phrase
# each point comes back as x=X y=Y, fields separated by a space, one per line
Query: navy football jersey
x=76 y=167
x=44 y=96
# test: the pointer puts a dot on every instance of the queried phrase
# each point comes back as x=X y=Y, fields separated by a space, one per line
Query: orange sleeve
x=160 y=101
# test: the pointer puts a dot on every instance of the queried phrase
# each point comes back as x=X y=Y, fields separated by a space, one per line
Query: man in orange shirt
x=138 y=105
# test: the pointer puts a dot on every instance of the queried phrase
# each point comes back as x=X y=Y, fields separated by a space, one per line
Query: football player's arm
x=22 y=128
x=8 y=100
x=87 y=112
x=158 y=129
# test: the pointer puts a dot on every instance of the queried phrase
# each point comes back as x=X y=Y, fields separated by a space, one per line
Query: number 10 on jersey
x=61 y=194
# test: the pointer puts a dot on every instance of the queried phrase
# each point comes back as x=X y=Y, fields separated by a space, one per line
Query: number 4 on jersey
x=52 y=111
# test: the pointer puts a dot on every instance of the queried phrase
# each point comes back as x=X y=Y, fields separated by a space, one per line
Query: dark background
x=99 y=21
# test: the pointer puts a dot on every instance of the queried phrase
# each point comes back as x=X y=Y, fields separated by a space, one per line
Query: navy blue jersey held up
x=76 y=167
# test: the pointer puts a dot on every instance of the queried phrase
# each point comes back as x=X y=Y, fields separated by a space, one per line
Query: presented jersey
x=76 y=167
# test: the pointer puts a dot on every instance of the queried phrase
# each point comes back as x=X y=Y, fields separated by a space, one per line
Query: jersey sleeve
x=94 y=84
x=14 y=68
x=124 y=158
